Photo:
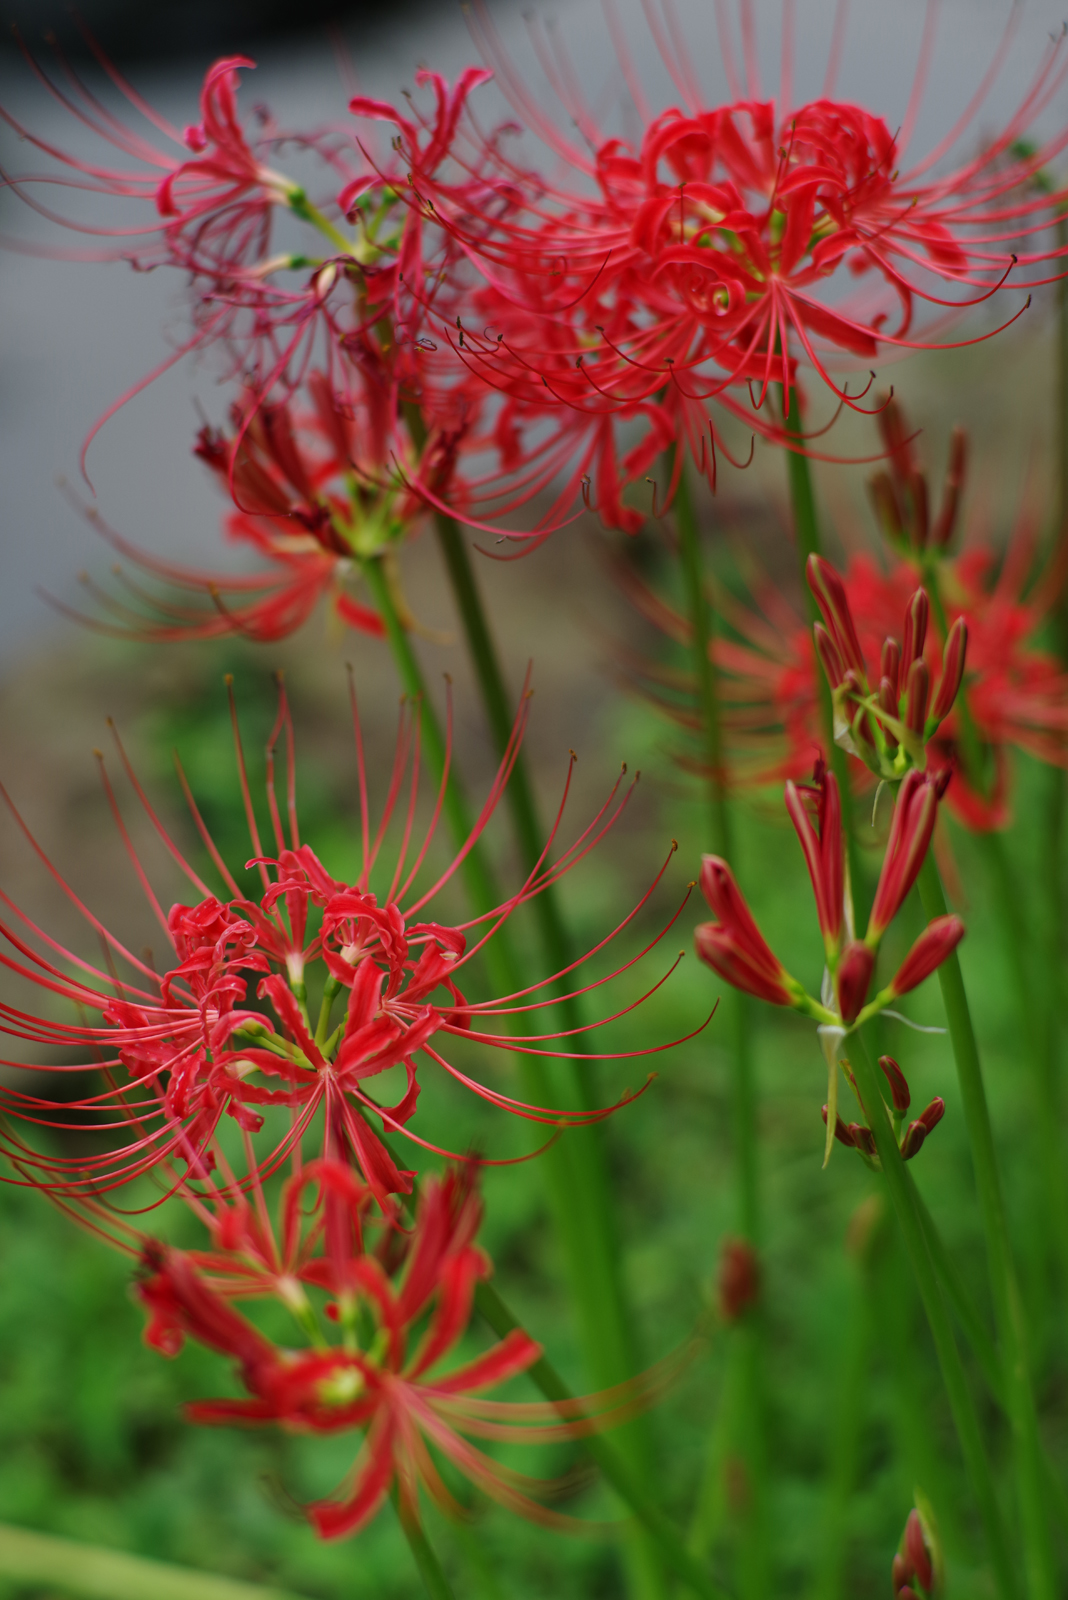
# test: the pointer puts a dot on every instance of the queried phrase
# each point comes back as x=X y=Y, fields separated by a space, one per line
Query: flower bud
x=916 y=1552
x=852 y=979
x=918 y=530
x=942 y=532
x=938 y=940
x=915 y=628
x=841 y=1132
x=952 y=670
x=827 y=650
x=899 y=1089
x=831 y=597
x=891 y=666
x=734 y=946
x=915 y=1134
x=933 y=1114
x=738 y=1282
x=910 y=834
x=900 y=1573
x=888 y=705
x=917 y=690
x=862 y=1138
x=885 y=504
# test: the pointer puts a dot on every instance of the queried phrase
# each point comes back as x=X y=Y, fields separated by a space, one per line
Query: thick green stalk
x=754 y=1545
x=579 y=1191
x=848 y=1418
x=1008 y=1308
x=435 y=1582
x=92 y=1572
x=618 y=1471
x=962 y=1405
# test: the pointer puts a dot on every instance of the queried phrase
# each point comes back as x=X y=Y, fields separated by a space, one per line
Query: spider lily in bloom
x=734 y=947
x=377 y=1308
x=674 y=271
x=278 y=1010
x=317 y=491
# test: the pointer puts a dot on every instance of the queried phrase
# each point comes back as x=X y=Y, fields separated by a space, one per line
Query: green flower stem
x=754 y=1545
x=613 y=1464
x=972 y=1324
x=94 y=1573
x=848 y=1419
x=1008 y=1308
x=579 y=1191
x=962 y=1405
x=435 y=1582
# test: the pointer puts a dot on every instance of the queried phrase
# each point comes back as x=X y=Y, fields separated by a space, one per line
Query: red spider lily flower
x=673 y=270
x=316 y=491
x=227 y=1034
x=382 y=1377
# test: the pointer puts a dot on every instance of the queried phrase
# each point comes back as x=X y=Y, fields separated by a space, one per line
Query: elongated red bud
x=900 y=1573
x=917 y=692
x=899 y=1089
x=738 y=1281
x=930 y=1118
x=910 y=834
x=918 y=530
x=938 y=940
x=952 y=670
x=734 y=946
x=830 y=658
x=890 y=666
x=916 y=616
x=916 y=1551
x=885 y=503
x=831 y=597
x=841 y=1132
x=888 y=704
x=862 y=1138
x=912 y=1143
x=853 y=978
x=942 y=532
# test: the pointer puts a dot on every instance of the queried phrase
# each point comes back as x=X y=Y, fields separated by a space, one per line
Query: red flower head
x=281 y=1011
x=400 y=1309
x=665 y=274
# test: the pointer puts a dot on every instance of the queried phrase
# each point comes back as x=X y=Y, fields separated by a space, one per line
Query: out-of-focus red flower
x=400 y=1309
x=278 y=1011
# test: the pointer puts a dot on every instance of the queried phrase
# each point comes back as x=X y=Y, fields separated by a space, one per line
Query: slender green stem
x=962 y=1405
x=754 y=1544
x=613 y=1464
x=971 y=1322
x=43 y=1562
x=1008 y=1307
x=435 y=1582
x=579 y=1187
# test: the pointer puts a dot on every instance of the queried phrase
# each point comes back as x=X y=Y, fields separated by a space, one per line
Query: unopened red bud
x=734 y=946
x=899 y=1089
x=907 y=1593
x=841 y=1132
x=917 y=691
x=862 y=1138
x=887 y=511
x=890 y=666
x=830 y=659
x=916 y=1551
x=739 y=1278
x=942 y=532
x=831 y=597
x=938 y=940
x=933 y=1114
x=940 y=782
x=918 y=530
x=900 y=1573
x=915 y=1134
x=852 y=979
x=888 y=705
x=915 y=628
x=952 y=670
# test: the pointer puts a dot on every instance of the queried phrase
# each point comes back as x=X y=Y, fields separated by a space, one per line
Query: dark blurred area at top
x=167 y=31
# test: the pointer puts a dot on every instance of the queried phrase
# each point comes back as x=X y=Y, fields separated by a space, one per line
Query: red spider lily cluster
x=970 y=632
x=214 y=1076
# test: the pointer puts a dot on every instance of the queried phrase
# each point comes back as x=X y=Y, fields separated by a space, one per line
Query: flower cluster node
x=888 y=727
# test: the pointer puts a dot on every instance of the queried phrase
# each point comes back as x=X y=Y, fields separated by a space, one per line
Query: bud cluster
x=855 y=1136
x=889 y=724
x=734 y=947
